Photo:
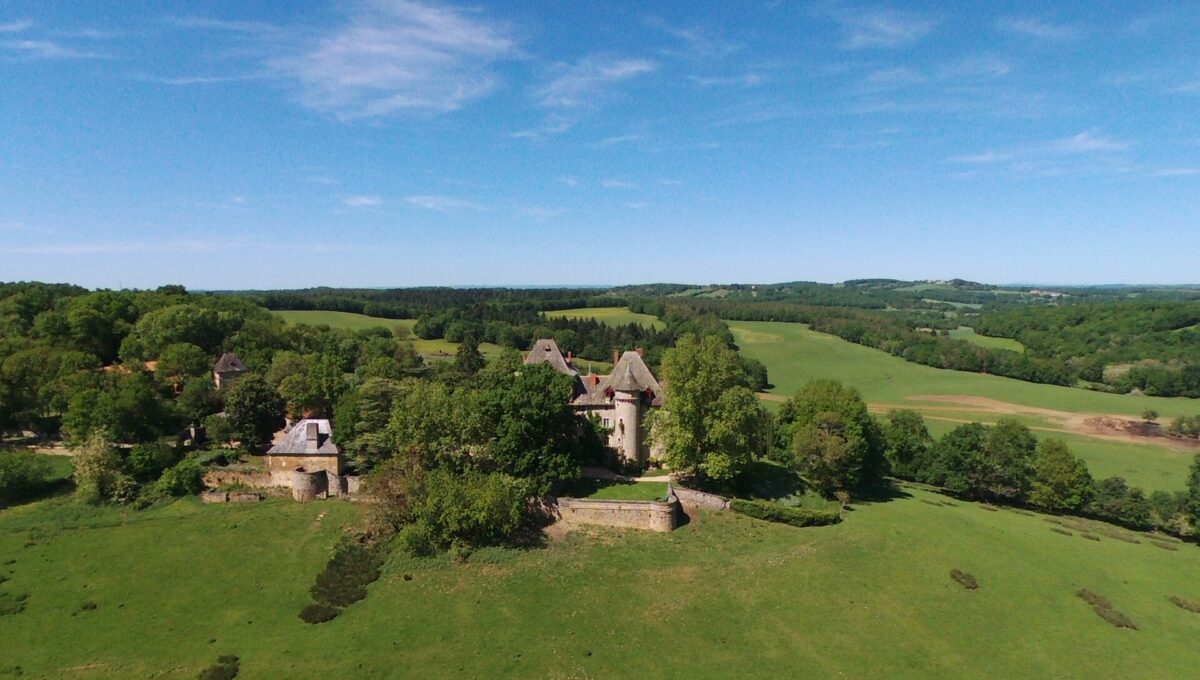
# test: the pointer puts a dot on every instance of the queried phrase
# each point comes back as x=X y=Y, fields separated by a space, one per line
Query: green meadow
x=722 y=596
x=612 y=316
x=354 y=322
x=967 y=333
x=795 y=355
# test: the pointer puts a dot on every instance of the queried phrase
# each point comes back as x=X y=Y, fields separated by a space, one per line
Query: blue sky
x=389 y=143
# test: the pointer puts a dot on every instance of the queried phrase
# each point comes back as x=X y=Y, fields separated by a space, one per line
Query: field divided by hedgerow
x=723 y=596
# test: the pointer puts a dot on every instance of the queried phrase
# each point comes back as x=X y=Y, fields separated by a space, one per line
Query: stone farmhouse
x=620 y=399
x=228 y=369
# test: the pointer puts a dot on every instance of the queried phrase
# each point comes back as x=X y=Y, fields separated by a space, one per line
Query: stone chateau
x=620 y=399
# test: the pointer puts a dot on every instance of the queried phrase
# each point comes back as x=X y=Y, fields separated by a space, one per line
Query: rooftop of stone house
x=629 y=374
x=546 y=351
x=308 y=437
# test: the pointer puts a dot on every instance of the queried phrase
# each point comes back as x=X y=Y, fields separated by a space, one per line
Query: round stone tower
x=628 y=407
x=306 y=486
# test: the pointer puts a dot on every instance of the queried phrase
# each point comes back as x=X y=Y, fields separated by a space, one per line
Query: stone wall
x=699 y=499
x=651 y=515
x=229 y=497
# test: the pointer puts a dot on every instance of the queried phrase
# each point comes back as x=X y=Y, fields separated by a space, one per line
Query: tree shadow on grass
x=56 y=487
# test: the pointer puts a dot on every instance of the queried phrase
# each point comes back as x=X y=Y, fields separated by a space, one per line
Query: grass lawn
x=612 y=490
x=351 y=321
x=967 y=333
x=723 y=596
x=612 y=316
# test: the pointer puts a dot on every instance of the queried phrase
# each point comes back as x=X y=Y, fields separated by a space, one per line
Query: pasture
x=611 y=316
x=722 y=596
x=795 y=355
x=967 y=333
x=355 y=322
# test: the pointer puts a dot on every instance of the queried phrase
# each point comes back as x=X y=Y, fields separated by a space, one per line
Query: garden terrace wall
x=650 y=515
x=699 y=499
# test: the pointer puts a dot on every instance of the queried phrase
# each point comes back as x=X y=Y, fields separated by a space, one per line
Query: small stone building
x=309 y=445
x=228 y=369
x=620 y=399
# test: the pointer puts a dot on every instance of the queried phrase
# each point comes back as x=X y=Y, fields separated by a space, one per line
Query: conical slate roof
x=631 y=374
x=546 y=351
x=230 y=363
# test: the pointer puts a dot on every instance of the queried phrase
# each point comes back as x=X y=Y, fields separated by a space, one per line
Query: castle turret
x=633 y=387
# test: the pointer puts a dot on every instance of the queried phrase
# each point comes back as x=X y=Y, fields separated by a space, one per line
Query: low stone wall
x=650 y=515
x=215 y=477
x=700 y=499
x=229 y=497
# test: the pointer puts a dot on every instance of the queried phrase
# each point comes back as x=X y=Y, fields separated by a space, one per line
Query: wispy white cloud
x=15 y=26
x=697 y=41
x=400 y=56
x=1186 y=88
x=554 y=124
x=874 y=28
x=618 y=184
x=569 y=181
x=180 y=81
x=582 y=83
x=1176 y=172
x=538 y=212
x=444 y=203
x=1038 y=28
x=1086 y=142
x=618 y=139
x=746 y=80
x=207 y=23
x=363 y=201
x=637 y=205
x=46 y=50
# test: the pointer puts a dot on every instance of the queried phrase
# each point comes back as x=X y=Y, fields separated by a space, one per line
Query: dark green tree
x=1193 y=494
x=254 y=410
x=835 y=441
x=1060 y=480
x=907 y=443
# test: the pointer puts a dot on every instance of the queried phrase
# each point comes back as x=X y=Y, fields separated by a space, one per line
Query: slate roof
x=546 y=351
x=631 y=374
x=295 y=442
x=230 y=363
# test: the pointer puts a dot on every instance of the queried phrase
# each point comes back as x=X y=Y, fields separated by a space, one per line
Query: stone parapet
x=650 y=515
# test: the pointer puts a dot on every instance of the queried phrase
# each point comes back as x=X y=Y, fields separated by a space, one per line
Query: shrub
x=774 y=512
x=1090 y=537
x=1093 y=599
x=22 y=475
x=964 y=579
x=1059 y=530
x=184 y=479
x=88 y=606
x=1190 y=605
x=1115 y=617
x=1164 y=546
x=11 y=603
x=318 y=613
x=147 y=461
x=226 y=668
x=345 y=578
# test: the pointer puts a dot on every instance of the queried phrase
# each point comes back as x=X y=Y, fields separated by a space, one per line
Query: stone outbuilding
x=620 y=399
x=228 y=369
x=308 y=461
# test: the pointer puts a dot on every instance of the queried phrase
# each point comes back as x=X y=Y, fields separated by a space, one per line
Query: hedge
x=774 y=512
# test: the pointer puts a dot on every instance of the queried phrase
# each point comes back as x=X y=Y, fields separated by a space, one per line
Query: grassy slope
x=967 y=333
x=351 y=321
x=722 y=596
x=613 y=316
x=794 y=355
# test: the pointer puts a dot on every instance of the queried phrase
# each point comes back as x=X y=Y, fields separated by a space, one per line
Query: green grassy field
x=351 y=321
x=967 y=333
x=795 y=355
x=612 y=316
x=722 y=596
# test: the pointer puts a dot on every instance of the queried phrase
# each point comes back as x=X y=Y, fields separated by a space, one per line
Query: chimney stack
x=641 y=352
x=312 y=436
x=616 y=356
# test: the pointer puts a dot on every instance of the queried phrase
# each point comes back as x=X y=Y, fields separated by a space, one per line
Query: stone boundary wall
x=331 y=486
x=650 y=515
x=699 y=499
x=229 y=497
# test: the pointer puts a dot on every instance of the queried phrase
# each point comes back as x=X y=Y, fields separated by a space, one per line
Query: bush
x=964 y=579
x=1094 y=599
x=184 y=479
x=318 y=613
x=1115 y=617
x=11 y=603
x=1062 y=531
x=147 y=461
x=345 y=578
x=226 y=668
x=1190 y=605
x=22 y=475
x=774 y=512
